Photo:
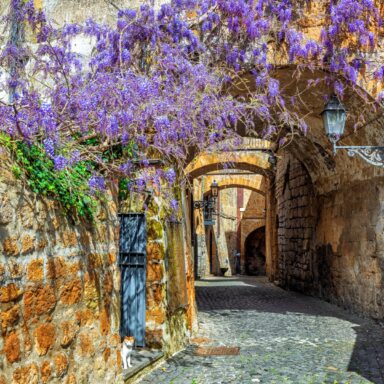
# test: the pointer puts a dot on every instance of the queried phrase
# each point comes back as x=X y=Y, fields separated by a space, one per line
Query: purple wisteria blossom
x=97 y=184
x=160 y=83
x=60 y=162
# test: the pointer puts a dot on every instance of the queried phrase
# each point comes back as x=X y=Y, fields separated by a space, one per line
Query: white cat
x=126 y=351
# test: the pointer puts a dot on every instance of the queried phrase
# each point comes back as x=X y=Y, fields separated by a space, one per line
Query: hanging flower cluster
x=156 y=84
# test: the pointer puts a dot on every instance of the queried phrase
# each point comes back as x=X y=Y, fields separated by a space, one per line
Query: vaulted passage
x=321 y=211
x=312 y=223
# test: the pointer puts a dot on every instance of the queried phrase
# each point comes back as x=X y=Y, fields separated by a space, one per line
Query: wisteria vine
x=157 y=84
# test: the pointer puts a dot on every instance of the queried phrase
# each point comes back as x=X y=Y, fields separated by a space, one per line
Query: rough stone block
x=112 y=257
x=28 y=374
x=154 y=338
x=155 y=251
x=155 y=272
x=69 y=330
x=10 y=317
x=60 y=361
x=69 y=239
x=105 y=324
x=108 y=283
x=91 y=293
x=10 y=247
x=38 y=300
x=27 y=244
x=155 y=230
x=71 y=292
x=9 y=293
x=85 y=317
x=15 y=269
x=45 y=371
x=85 y=345
x=156 y=315
x=35 y=270
x=7 y=212
x=56 y=268
x=44 y=338
x=41 y=244
x=12 y=347
x=95 y=260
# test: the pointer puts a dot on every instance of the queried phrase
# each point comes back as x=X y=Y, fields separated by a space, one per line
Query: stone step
x=142 y=361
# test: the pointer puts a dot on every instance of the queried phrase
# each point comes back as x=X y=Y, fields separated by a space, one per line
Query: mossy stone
x=155 y=230
x=153 y=208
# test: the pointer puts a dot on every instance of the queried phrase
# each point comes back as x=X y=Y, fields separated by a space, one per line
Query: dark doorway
x=255 y=253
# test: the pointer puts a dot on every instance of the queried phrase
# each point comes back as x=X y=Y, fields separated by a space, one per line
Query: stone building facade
x=240 y=210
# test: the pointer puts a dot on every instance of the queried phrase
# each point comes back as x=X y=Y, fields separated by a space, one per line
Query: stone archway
x=253 y=182
x=253 y=161
x=255 y=253
x=324 y=211
x=323 y=222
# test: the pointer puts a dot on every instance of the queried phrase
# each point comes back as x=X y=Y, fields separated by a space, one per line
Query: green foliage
x=69 y=187
x=123 y=188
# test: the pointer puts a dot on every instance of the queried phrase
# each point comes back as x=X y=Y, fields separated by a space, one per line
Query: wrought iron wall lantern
x=334 y=117
x=208 y=204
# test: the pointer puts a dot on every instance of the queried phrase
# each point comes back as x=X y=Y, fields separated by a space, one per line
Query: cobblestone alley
x=284 y=337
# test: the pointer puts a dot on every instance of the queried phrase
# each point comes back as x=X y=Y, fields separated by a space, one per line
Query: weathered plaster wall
x=59 y=291
x=69 y=11
x=226 y=230
x=200 y=251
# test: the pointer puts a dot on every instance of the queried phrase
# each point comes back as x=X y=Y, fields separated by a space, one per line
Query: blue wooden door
x=132 y=260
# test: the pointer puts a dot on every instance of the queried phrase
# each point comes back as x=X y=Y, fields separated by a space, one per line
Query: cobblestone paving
x=285 y=337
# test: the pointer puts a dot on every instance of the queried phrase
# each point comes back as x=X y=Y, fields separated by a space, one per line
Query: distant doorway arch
x=255 y=253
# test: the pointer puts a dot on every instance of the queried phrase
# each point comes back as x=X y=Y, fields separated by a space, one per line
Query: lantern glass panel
x=214 y=189
x=334 y=122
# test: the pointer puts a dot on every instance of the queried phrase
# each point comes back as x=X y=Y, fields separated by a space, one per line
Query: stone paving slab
x=284 y=338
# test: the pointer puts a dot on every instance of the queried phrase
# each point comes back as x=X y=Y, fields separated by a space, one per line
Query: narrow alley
x=191 y=192
x=284 y=337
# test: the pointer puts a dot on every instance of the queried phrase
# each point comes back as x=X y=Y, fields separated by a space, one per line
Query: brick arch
x=254 y=228
x=254 y=183
x=241 y=143
x=256 y=162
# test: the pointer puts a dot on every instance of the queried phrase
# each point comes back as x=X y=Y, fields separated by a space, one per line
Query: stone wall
x=170 y=300
x=331 y=244
x=296 y=224
x=349 y=247
x=59 y=291
x=60 y=288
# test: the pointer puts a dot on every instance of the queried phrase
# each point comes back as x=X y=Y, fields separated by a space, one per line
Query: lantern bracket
x=373 y=155
x=334 y=117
